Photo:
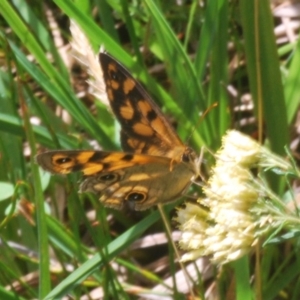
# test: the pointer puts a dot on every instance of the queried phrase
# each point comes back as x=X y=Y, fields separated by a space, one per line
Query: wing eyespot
x=108 y=177
x=136 y=197
x=63 y=160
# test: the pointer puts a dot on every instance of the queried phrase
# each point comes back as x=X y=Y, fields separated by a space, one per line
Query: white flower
x=238 y=204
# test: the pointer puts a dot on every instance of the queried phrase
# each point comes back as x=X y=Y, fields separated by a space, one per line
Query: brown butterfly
x=155 y=167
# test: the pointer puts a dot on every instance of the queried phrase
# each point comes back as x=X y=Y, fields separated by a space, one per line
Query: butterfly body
x=155 y=167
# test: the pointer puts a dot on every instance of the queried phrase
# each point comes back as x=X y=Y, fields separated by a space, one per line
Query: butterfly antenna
x=201 y=119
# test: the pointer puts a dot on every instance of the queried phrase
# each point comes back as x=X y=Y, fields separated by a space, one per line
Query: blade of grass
x=75 y=107
x=217 y=92
x=99 y=37
x=207 y=36
x=14 y=126
x=189 y=94
x=64 y=239
x=107 y=20
x=242 y=277
x=287 y=277
x=291 y=85
x=189 y=26
x=113 y=249
x=265 y=79
x=264 y=72
x=130 y=28
x=174 y=52
x=9 y=295
x=44 y=272
x=41 y=33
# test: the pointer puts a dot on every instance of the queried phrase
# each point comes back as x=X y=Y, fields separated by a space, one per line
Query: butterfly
x=155 y=167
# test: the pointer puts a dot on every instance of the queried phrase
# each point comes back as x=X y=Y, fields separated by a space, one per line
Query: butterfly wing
x=121 y=178
x=91 y=162
x=144 y=128
x=157 y=167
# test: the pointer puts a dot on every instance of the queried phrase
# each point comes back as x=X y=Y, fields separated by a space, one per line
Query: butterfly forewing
x=144 y=128
x=92 y=162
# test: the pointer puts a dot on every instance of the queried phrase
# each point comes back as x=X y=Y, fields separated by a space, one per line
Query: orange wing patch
x=127 y=110
x=128 y=85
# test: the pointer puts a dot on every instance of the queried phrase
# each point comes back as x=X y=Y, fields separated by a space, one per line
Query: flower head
x=236 y=203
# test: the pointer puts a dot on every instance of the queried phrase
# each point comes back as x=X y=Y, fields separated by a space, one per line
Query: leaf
x=7 y=190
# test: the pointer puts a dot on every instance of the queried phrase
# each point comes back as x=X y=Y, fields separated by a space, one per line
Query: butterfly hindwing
x=119 y=178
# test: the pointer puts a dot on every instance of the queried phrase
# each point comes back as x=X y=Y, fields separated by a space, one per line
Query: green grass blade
x=114 y=248
x=43 y=246
x=291 y=85
x=207 y=36
x=188 y=93
x=77 y=109
x=242 y=275
x=264 y=75
x=217 y=92
x=99 y=37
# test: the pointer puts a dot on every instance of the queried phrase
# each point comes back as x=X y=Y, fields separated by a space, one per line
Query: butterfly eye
x=108 y=177
x=188 y=155
x=136 y=197
x=185 y=157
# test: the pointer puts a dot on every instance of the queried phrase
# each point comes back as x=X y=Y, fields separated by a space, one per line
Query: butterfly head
x=188 y=155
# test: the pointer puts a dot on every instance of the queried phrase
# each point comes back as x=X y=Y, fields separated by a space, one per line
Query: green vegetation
x=205 y=59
